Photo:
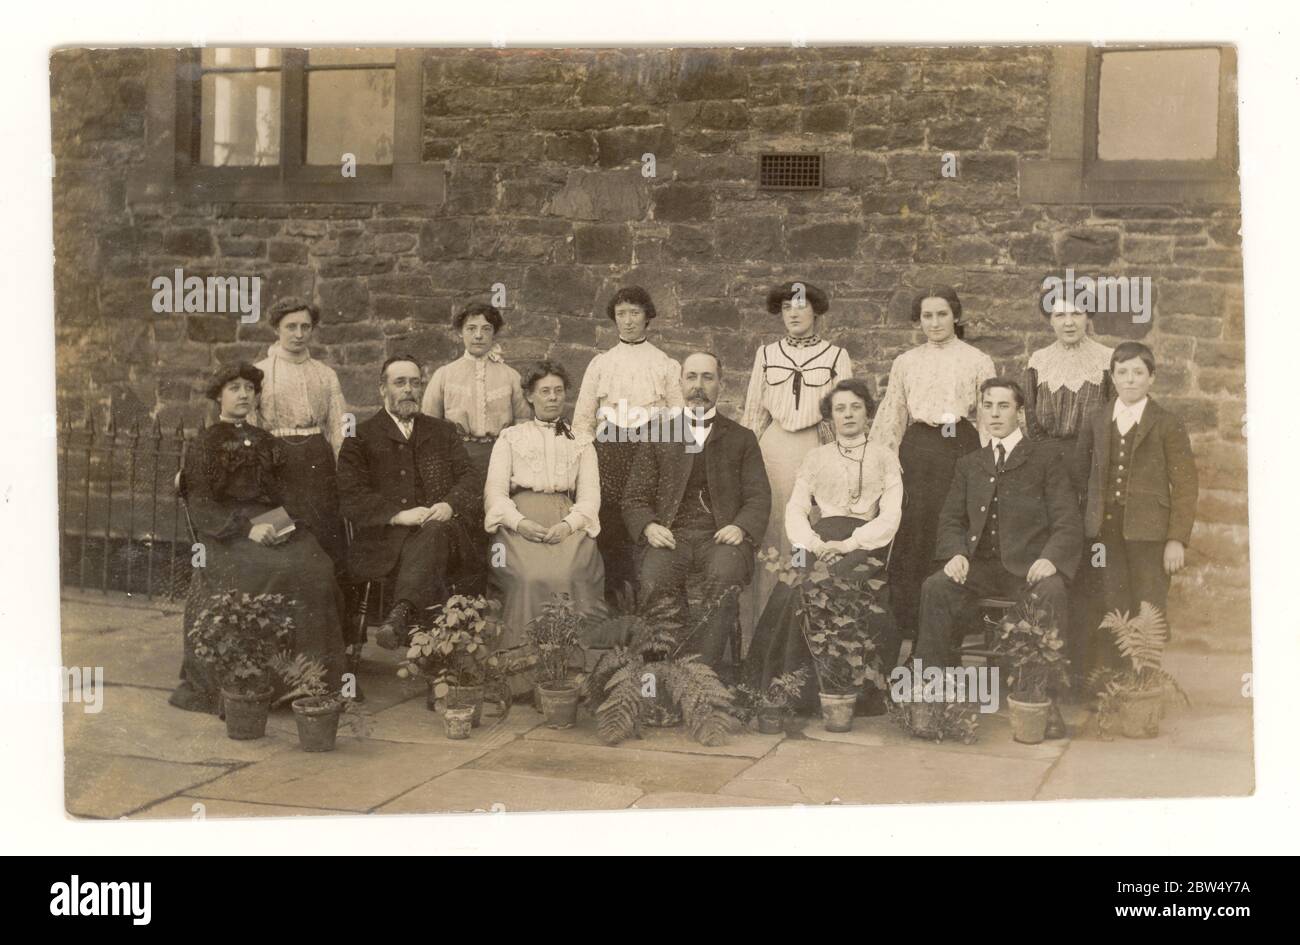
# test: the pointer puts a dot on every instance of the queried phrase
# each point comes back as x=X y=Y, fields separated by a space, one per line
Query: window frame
x=173 y=170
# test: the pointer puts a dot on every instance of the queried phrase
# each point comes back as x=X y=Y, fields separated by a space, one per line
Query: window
x=259 y=124
x=1139 y=125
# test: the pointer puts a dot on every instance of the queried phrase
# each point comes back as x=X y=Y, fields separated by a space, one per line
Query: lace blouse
x=788 y=383
x=232 y=473
x=532 y=456
x=482 y=396
x=1064 y=385
x=624 y=377
x=832 y=476
x=932 y=383
x=299 y=392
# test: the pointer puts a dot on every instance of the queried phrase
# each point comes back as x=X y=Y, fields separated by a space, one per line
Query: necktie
x=1002 y=457
x=562 y=429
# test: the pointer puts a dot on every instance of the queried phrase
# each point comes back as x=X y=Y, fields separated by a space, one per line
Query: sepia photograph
x=585 y=428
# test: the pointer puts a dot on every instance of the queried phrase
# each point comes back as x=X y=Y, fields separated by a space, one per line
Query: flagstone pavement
x=140 y=758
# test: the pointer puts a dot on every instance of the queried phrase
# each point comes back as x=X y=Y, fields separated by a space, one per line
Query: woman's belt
x=515 y=490
x=471 y=438
x=295 y=431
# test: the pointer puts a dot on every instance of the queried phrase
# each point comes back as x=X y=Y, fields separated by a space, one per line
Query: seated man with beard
x=413 y=497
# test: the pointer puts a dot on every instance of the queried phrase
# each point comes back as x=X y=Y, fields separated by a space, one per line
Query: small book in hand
x=278 y=519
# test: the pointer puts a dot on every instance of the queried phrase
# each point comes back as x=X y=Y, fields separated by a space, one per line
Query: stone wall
x=545 y=194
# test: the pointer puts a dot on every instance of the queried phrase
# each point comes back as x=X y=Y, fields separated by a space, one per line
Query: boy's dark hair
x=383 y=371
x=544 y=369
x=635 y=295
x=855 y=386
x=949 y=295
x=1128 y=350
x=290 y=304
x=490 y=312
x=1006 y=382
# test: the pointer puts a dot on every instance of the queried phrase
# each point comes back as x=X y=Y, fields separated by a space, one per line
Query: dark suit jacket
x=738 y=486
x=1162 y=481
x=1038 y=513
x=377 y=474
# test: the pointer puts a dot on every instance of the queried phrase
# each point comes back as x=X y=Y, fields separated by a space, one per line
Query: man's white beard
x=406 y=409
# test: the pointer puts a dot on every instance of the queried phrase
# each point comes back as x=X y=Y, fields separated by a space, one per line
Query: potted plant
x=1031 y=648
x=238 y=634
x=835 y=611
x=317 y=709
x=649 y=671
x=772 y=707
x=454 y=649
x=1136 y=692
x=556 y=640
x=958 y=721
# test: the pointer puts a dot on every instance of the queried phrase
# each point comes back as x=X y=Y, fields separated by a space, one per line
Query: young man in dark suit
x=699 y=507
x=414 y=499
x=1136 y=461
x=1010 y=527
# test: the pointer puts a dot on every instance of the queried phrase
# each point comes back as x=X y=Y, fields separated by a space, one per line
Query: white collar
x=1135 y=410
x=1009 y=442
x=709 y=414
x=493 y=355
x=401 y=424
x=854 y=443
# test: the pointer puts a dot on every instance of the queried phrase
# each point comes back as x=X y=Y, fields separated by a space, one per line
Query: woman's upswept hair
x=229 y=372
x=544 y=369
x=949 y=295
x=855 y=386
x=636 y=296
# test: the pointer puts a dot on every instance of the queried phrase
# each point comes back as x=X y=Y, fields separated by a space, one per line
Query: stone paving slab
x=1210 y=678
x=740 y=744
x=135 y=646
x=193 y=808
x=683 y=800
x=994 y=739
x=649 y=771
x=814 y=772
x=470 y=789
x=140 y=723
x=1138 y=768
x=357 y=776
x=413 y=722
x=111 y=786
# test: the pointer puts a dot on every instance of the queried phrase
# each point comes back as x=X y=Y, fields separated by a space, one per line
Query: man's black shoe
x=392 y=633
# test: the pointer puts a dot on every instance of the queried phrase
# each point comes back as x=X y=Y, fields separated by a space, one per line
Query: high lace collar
x=1072 y=367
x=234 y=421
x=640 y=341
x=277 y=351
x=807 y=341
x=850 y=443
x=942 y=345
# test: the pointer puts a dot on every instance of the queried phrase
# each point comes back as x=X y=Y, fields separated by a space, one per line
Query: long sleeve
x=1065 y=543
x=211 y=518
x=358 y=501
x=584 y=411
x=755 y=492
x=798 y=529
x=585 y=513
x=466 y=496
x=675 y=396
x=755 y=415
x=880 y=530
x=950 y=538
x=1081 y=461
x=892 y=417
x=519 y=407
x=432 y=403
x=1033 y=428
x=1184 y=483
x=499 y=508
x=638 y=503
x=336 y=413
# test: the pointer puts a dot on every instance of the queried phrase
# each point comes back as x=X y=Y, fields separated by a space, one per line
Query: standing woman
x=622 y=389
x=478 y=391
x=302 y=406
x=928 y=416
x=1067 y=380
x=782 y=405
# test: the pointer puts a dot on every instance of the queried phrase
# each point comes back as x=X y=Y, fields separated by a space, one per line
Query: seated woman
x=233 y=473
x=542 y=502
x=858 y=489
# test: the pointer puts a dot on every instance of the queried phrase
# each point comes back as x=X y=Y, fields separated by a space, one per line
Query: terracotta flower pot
x=318 y=722
x=458 y=719
x=559 y=703
x=771 y=721
x=467 y=696
x=246 y=714
x=1140 y=712
x=837 y=710
x=1028 y=720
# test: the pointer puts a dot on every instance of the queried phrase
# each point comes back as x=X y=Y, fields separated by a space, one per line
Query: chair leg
x=362 y=609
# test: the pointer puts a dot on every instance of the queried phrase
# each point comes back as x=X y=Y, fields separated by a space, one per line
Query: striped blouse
x=788 y=383
x=1063 y=386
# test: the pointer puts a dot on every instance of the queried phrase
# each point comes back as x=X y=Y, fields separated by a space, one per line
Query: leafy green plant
x=455 y=643
x=555 y=634
x=781 y=692
x=239 y=635
x=304 y=677
x=1030 y=643
x=954 y=721
x=648 y=671
x=834 y=610
x=1141 y=641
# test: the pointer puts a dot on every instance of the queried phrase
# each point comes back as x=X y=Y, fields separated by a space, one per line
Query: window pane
x=241 y=119
x=241 y=57
x=350 y=112
x=361 y=56
x=1159 y=105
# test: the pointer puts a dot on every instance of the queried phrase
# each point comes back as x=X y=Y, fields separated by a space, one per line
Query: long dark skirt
x=779 y=647
x=311 y=493
x=927 y=458
x=298 y=569
x=615 y=456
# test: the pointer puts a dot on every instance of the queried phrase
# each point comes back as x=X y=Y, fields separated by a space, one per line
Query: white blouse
x=771 y=394
x=624 y=377
x=830 y=474
x=481 y=396
x=934 y=384
x=299 y=392
x=531 y=456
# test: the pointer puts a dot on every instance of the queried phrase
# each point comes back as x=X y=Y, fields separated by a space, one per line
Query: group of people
x=476 y=483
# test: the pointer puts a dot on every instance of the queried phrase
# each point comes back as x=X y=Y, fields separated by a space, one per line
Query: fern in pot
x=317 y=709
x=772 y=707
x=239 y=635
x=1030 y=646
x=555 y=636
x=454 y=649
x=1136 y=693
